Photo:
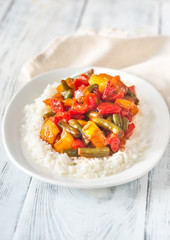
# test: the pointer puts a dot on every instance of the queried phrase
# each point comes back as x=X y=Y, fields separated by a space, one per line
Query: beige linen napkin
x=146 y=57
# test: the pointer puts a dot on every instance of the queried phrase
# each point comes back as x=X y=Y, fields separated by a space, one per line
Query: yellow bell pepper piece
x=60 y=88
x=49 y=131
x=128 y=105
x=65 y=142
x=100 y=79
x=82 y=122
x=94 y=133
x=68 y=102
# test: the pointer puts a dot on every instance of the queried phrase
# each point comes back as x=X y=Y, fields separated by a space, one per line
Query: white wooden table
x=30 y=209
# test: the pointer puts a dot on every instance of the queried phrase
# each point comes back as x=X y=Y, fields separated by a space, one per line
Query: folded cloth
x=146 y=57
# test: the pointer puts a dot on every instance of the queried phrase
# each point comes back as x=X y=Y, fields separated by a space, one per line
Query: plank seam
x=7 y=11
x=82 y=14
x=146 y=208
x=17 y=221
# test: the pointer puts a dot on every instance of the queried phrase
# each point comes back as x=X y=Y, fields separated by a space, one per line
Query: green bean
x=117 y=120
x=88 y=73
x=93 y=114
x=64 y=84
x=67 y=94
x=109 y=126
x=49 y=114
x=73 y=131
x=125 y=122
x=71 y=152
x=90 y=88
x=109 y=118
x=94 y=152
x=77 y=125
x=131 y=94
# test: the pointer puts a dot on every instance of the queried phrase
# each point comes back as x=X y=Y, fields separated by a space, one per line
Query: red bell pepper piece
x=108 y=108
x=57 y=106
x=133 y=89
x=77 y=109
x=78 y=116
x=124 y=113
x=79 y=92
x=115 y=144
x=129 y=116
x=78 y=143
x=130 y=130
x=81 y=81
x=109 y=93
x=119 y=85
x=91 y=101
x=65 y=116
x=84 y=77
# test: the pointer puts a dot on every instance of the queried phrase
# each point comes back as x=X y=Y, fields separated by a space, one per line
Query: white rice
x=41 y=154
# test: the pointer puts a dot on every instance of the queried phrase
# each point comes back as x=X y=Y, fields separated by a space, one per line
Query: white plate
x=34 y=88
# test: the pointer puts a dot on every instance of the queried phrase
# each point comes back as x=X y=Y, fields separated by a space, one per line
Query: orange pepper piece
x=49 y=131
x=128 y=105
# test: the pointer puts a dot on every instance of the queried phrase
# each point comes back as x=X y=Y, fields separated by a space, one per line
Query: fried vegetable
x=109 y=126
x=65 y=142
x=128 y=105
x=67 y=94
x=92 y=114
x=117 y=120
x=101 y=80
x=49 y=131
x=64 y=84
x=125 y=123
x=60 y=88
x=73 y=131
x=49 y=114
x=95 y=134
x=109 y=118
x=90 y=88
x=108 y=108
x=119 y=85
x=68 y=102
x=71 y=152
x=94 y=152
x=70 y=82
x=74 y=123
x=132 y=95
x=82 y=122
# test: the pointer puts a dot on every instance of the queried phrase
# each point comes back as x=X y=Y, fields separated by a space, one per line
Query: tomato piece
x=57 y=106
x=130 y=130
x=91 y=101
x=78 y=143
x=129 y=116
x=114 y=144
x=108 y=108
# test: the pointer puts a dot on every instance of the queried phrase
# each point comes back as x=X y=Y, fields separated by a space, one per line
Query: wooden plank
x=165 y=18
x=129 y=15
x=52 y=212
x=158 y=207
x=5 y=6
x=25 y=30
